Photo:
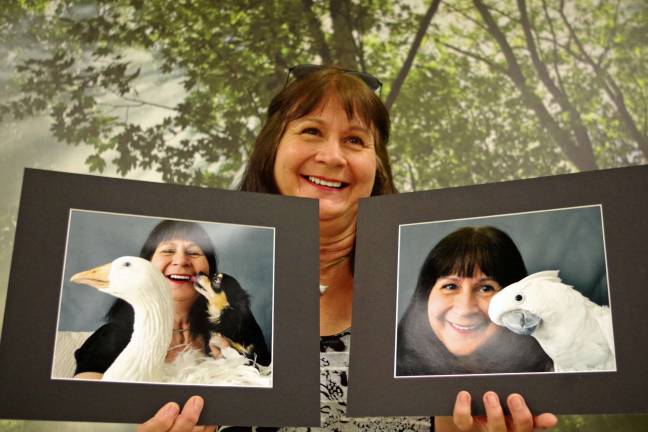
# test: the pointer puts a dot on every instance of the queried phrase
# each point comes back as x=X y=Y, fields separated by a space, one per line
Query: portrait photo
x=219 y=275
x=515 y=293
x=141 y=293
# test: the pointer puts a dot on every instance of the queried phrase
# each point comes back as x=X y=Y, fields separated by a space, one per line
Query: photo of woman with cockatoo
x=504 y=294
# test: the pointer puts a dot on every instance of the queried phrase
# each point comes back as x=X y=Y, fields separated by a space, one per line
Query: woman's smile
x=325 y=183
x=467 y=328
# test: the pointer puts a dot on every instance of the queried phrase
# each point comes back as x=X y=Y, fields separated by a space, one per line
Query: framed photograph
x=534 y=287
x=161 y=292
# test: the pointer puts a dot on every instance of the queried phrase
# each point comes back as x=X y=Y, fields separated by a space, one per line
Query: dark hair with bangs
x=419 y=351
x=180 y=230
x=301 y=97
x=467 y=250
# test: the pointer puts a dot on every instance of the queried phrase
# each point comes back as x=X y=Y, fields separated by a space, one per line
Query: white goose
x=141 y=284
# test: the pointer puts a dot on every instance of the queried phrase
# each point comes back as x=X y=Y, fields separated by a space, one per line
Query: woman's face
x=458 y=311
x=179 y=260
x=326 y=156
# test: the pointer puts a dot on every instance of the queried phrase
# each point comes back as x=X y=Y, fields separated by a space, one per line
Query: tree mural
x=479 y=91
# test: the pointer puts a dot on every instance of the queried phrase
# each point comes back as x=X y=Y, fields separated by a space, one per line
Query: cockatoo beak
x=521 y=321
x=96 y=277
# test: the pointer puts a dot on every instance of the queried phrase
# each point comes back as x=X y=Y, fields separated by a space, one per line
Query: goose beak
x=96 y=277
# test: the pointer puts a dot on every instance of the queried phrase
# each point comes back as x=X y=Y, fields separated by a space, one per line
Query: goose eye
x=519 y=298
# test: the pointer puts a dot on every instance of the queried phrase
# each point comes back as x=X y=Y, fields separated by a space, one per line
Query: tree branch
x=576 y=123
x=411 y=54
x=581 y=159
x=554 y=44
x=475 y=56
x=611 y=88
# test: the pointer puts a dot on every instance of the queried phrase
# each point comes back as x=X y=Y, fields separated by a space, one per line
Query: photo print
x=533 y=286
x=218 y=277
x=515 y=293
x=131 y=294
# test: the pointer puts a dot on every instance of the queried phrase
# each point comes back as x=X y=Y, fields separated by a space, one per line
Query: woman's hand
x=520 y=420
x=170 y=419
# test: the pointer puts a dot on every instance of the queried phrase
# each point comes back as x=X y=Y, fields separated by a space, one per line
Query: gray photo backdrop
x=569 y=240
x=94 y=238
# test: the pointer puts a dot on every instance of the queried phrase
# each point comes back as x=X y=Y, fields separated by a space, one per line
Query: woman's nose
x=330 y=152
x=181 y=258
x=465 y=302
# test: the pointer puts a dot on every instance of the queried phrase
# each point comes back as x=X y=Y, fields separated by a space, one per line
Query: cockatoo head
x=130 y=278
x=524 y=305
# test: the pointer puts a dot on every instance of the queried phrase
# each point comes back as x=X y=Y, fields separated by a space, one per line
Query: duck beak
x=96 y=277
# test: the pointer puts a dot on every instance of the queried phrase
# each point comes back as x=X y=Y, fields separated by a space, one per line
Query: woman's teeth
x=331 y=184
x=181 y=277
x=465 y=327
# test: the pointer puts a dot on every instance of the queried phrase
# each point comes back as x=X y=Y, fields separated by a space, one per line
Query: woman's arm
x=520 y=420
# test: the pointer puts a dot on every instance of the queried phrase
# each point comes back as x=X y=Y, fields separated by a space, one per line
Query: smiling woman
x=181 y=250
x=446 y=328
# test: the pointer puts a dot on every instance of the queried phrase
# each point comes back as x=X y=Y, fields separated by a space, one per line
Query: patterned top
x=334 y=366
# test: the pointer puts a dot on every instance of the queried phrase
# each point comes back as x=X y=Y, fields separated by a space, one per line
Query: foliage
x=474 y=107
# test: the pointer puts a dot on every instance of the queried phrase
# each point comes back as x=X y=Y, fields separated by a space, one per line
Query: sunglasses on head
x=302 y=70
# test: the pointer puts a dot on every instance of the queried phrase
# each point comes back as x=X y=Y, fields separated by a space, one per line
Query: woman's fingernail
x=492 y=400
x=197 y=403
x=171 y=409
x=517 y=403
x=464 y=397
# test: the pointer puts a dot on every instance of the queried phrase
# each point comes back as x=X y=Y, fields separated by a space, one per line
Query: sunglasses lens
x=302 y=70
x=371 y=81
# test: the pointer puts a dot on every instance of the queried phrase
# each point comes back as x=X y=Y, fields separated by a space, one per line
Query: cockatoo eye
x=519 y=298
x=126 y=264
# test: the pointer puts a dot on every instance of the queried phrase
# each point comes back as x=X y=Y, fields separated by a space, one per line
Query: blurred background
x=175 y=91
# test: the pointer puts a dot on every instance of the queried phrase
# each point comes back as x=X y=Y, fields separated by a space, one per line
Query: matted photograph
x=485 y=295
x=130 y=294
x=534 y=287
x=202 y=289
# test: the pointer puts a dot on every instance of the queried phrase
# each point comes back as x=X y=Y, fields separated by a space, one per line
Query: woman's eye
x=167 y=251
x=487 y=289
x=195 y=254
x=355 y=140
x=311 y=131
x=449 y=286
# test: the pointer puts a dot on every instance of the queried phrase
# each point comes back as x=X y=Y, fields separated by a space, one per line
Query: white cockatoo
x=574 y=331
x=141 y=284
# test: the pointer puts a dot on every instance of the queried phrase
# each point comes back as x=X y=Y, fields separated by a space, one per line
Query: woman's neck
x=181 y=310
x=336 y=245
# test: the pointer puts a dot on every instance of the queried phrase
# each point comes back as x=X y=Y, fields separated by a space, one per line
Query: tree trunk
x=315 y=30
x=343 y=43
x=611 y=88
x=576 y=123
